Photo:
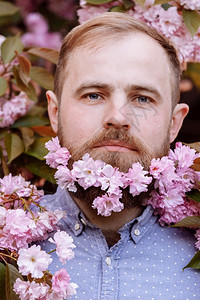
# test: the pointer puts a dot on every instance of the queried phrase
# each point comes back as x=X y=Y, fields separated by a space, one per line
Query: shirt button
x=108 y=261
x=77 y=226
x=136 y=232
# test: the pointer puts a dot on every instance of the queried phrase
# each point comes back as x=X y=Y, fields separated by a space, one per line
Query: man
x=115 y=97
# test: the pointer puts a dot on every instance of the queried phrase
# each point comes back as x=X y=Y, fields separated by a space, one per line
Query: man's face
x=116 y=102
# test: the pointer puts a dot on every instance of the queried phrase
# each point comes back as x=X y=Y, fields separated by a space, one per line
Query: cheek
x=78 y=124
x=153 y=128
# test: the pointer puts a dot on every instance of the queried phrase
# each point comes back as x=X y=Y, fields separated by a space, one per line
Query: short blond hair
x=109 y=26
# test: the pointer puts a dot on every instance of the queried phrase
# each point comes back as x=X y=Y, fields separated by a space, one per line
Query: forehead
x=134 y=58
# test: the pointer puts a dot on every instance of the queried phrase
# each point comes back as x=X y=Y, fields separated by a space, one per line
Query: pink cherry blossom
x=30 y=290
x=53 y=145
x=65 y=179
x=137 y=180
x=85 y=171
x=15 y=188
x=33 y=261
x=17 y=230
x=190 y=4
x=60 y=282
x=12 y=109
x=64 y=245
x=89 y=12
x=58 y=155
x=105 y=205
x=45 y=222
x=2 y=216
x=67 y=293
x=39 y=34
x=71 y=290
x=111 y=179
x=183 y=156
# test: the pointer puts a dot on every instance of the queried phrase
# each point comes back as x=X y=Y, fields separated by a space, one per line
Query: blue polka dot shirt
x=146 y=263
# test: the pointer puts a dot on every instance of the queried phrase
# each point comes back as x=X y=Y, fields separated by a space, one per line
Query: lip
x=112 y=145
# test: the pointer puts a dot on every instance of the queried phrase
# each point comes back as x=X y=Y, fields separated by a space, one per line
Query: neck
x=112 y=223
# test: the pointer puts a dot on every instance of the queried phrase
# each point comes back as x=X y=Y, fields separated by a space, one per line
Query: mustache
x=107 y=135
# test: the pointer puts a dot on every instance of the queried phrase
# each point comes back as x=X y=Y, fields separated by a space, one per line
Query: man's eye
x=143 y=99
x=94 y=96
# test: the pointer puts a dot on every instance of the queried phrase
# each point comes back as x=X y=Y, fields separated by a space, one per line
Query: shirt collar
x=76 y=220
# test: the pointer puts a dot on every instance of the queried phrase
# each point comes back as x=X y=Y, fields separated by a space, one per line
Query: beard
x=120 y=160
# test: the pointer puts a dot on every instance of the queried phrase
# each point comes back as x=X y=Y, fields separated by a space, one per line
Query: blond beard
x=123 y=161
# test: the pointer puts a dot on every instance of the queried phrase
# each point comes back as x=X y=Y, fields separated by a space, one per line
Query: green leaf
x=39 y=168
x=140 y=2
x=189 y=222
x=37 y=149
x=11 y=275
x=118 y=8
x=43 y=77
x=128 y=4
x=37 y=111
x=3 y=86
x=29 y=121
x=2 y=280
x=97 y=2
x=7 y=8
x=193 y=71
x=46 y=53
x=194 y=195
x=195 y=262
x=27 y=136
x=191 y=19
x=31 y=93
x=166 y=6
x=160 y=2
x=14 y=146
x=9 y=46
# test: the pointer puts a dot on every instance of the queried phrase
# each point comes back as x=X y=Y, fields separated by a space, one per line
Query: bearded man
x=116 y=97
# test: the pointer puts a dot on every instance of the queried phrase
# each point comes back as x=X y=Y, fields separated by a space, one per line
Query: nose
x=117 y=116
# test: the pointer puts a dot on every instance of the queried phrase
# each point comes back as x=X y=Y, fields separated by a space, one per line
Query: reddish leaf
x=46 y=53
x=24 y=68
x=44 y=131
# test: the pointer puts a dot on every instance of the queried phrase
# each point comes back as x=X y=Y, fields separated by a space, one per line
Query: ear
x=52 y=110
x=179 y=113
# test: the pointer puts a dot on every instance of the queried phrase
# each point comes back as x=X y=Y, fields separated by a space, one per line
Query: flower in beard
x=136 y=179
x=65 y=178
x=86 y=172
x=110 y=179
x=57 y=155
x=107 y=204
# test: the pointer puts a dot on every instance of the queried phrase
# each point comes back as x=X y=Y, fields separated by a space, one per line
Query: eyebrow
x=91 y=85
x=129 y=88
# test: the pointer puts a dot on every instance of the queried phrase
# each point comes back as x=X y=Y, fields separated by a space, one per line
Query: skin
x=123 y=84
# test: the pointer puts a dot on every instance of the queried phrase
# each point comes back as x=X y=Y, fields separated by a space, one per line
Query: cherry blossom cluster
x=38 y=33
x=11 y=110
x=169 y=22
x=173 y=178
x=88 y=172
x=33 y=262
x=23 y=221
x=65 y=9
x=171 y=174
